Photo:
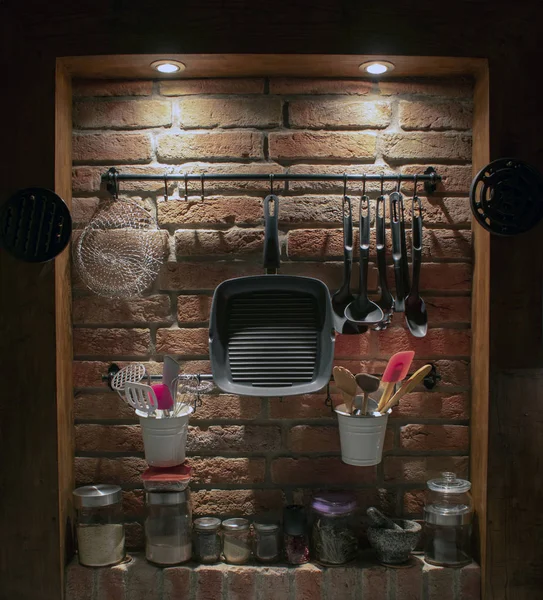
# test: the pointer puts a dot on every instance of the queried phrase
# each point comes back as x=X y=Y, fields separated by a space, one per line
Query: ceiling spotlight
x=168 y=66
x=376 y=67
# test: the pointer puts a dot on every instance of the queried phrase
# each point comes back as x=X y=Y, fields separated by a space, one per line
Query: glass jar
x=267 y=542
x=236 y=541
x=168 y=528
x=99 y=525
x=206 y=540
x=448 y=513
x=334 y=540
x=295 y=534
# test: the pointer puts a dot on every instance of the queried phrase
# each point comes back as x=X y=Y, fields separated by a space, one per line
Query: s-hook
x=165 y=188
x=186 y=187
x=202 y=184
x=271 y=184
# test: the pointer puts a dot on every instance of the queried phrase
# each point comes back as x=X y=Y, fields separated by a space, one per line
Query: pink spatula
x=395 y=371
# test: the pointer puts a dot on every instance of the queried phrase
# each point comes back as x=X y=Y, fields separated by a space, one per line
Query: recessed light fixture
x=376 y=67
x=168 y=66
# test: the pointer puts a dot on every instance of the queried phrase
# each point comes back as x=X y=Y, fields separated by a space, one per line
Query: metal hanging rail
x=430 y=178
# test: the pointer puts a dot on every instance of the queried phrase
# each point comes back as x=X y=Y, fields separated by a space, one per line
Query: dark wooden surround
x=35 y=355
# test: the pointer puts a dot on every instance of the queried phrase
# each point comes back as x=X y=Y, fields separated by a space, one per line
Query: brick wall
x=252 y=454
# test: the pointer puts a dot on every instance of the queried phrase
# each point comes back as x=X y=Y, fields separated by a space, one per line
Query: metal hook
x=328 y=401
x=202 y=184
x=415 y=187
x=364 y=186
x=382 y=184
x=398 y=189
x=115 y=185
x=271 y=184
x=165 y=188
x=186 y=187
x=344 y=184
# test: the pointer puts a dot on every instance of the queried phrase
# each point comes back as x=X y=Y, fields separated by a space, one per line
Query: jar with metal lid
x=448 y=514
x=296 y=537
x=168 y=527
x=267 y=542
x=333 y=534
x=99 y=525
x=206 y=540
x=236 y=541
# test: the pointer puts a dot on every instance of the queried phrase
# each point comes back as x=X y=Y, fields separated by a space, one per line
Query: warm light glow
x=376 y=67
x=168 y=66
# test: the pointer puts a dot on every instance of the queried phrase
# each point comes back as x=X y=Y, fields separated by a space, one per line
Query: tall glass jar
x=295 y=534
x=236 y=541
x=333 y=536
x=448 y=514
x=267 y=542
x=99 y=525
x=168 y=528
x=206 y=540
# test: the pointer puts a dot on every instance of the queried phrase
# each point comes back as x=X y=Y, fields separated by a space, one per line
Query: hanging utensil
x=395 y=227
x=416 y=316
x=386 y=301
x=346 y=383
x=142 y=398
x=35 y=225
x=170 y=371
x=362 y=310
x=407 y=387
x=404 y=260
x=132 y=373
x=343 y=296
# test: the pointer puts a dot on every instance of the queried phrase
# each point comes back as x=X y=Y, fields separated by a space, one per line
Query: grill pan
x=271 y=335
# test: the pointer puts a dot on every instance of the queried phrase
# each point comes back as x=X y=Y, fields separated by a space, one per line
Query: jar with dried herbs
x=334 y=539
x=206 y=540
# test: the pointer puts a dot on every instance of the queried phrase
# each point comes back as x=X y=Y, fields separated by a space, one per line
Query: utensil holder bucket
x=362 y=438
x=165 y=440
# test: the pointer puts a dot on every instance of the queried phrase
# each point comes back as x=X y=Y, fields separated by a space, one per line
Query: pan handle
x=272 y=250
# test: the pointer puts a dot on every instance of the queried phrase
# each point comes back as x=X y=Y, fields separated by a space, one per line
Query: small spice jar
x=168 y=528
x=236 y=541
x=295 y=534
x=99 y=525
x=267 y=542
x=333 y=534
x=206 y=540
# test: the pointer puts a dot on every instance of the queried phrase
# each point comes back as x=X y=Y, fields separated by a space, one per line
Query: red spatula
x=395 y=371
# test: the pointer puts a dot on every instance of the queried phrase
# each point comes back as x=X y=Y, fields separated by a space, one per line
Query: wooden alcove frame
x=50 y=546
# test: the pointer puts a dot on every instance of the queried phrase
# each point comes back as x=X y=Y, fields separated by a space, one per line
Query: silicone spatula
x=163 y=397
x=395 y=371
x=408 y=386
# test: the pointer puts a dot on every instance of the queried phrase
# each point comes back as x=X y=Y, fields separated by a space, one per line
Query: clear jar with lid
x=99 y=525
x=448 y=514
x=266 y=541
x=295 y=534
x=168 y=528
x=206 y=540
x=236 y=541
x=333 y=531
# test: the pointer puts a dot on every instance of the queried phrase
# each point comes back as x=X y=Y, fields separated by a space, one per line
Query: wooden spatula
x=368 y=384
x=346 y=382
x=408 y=386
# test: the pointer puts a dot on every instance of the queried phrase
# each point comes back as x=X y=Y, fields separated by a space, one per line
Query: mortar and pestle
x=392 y=540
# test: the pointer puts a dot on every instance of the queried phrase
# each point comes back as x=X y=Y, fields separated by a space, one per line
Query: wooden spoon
x=346 y=382
x=368 y=384
x=407 y=387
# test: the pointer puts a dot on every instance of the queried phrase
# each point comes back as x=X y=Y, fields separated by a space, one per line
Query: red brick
x=289 y=85
x=224 y=210
x=112 y=148
x=419 y=469
x=344 y=582
x=111 y=582
x=450 y=277
x=454 y=373
x=107 y=87
x=144 y=580
x=187 y=87
x=470 y=582
x=193 y=309
x=336 y=187
x=435 y=115
x=375 y=583
x=229 y=407
x=305 y=438
x=236 y=145
x=135 y=538
x=342 y=113
x=177 y=583
x=273 y=583
x=202 y=276
x=320 y=145
x=444 y=243
x=310 y=210
x=434 y=437
x=240 y=583
x=108 y=438
x=308 y=582
x=95 y=310
x=407 y=147
x=230 y=112
x=452 y=213
x=111 y=341
x=101 y=406
x=216 y=470
x=315 y=243
x=109 y=470
x=83 y=209
x=453 y=88
x=133 y=504
x=389 y=439
x=237 y=241
x=182 y=341
x=86 y=179
x=210 y=580
x=235 y=502
x=413 y=502
x=352 y=345
x=439 y=582
x=304 y=471
x=308 y=406
x=122 y=114
x=409 y=581
x=234 y=438
x=432 y=405
x=456 y=179
x=79 y=582
x=438 y=342
x=447 y=310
